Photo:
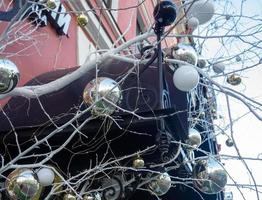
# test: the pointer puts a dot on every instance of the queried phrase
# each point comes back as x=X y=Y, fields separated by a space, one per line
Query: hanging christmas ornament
x=185 y=52
x=238 y=58
x=228 y=17
x=165 y=13
x=194 y=138
x=218 y=68
x=22 y=184
x=45 y=176
x=102 y=87
x=203 y=10
x=138 y=162
x=192 y=23
x=160 y=184
x=69 y=197
x=95 y=196
x=186 y=78
x=82 y=20
x=209 y=176
x=229 y=142
x=233 y=79
x=202 y=62
x=51 y=4
x=9 y=76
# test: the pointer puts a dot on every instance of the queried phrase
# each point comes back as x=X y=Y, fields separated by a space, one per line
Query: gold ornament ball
x=82 y=20
x=138 y=162
x=51 y=4
x=23 y=184
x=233 y=80
x=69 y=197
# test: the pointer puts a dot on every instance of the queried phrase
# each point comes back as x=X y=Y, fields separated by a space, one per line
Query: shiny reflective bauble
x=202 y=62
x=209 y=176
x=218 y=68
x=194 y=138
x=96 y=196
x=165 y=13
x=45 y=176
x=9 y=76
x=229 y=142
x=138 y=162
x=22 y=184
x=102 y=87
x=82 y=20
x=203 y=10
x=186 y=53
x=69 y=197
x=238 y=58
x=192 y=23
x=233 y=79
x=186 y=78
x=51 y=4
x=161 y=184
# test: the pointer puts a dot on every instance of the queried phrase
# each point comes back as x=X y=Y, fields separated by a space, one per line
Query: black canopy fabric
x=29 y=119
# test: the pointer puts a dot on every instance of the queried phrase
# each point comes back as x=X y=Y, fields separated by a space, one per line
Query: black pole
x=159 y=32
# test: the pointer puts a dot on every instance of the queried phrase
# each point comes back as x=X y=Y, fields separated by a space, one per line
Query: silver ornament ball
x=229 y=142
x=218 y=68
x=161 y=184
x=22 y=184
x=203 y=10
x=209 y=176
x=102 y=87
x=202 y=62
x=9 y=76
x=192 y=23
x=194 y=138
x=186 y=53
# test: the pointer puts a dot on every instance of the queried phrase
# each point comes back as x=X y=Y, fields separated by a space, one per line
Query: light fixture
x=165 y=13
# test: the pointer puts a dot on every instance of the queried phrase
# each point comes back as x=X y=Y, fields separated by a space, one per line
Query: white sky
x=248 y=130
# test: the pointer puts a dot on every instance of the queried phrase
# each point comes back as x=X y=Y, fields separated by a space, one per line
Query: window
x=108 y=3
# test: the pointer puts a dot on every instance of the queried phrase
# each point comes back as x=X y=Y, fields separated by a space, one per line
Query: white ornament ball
x=192 y=23
x=203 y=10
x=218 y=68
x=46 y=176
x=186 y=78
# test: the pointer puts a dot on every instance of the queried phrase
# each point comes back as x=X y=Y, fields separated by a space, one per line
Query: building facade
x=47 y=42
